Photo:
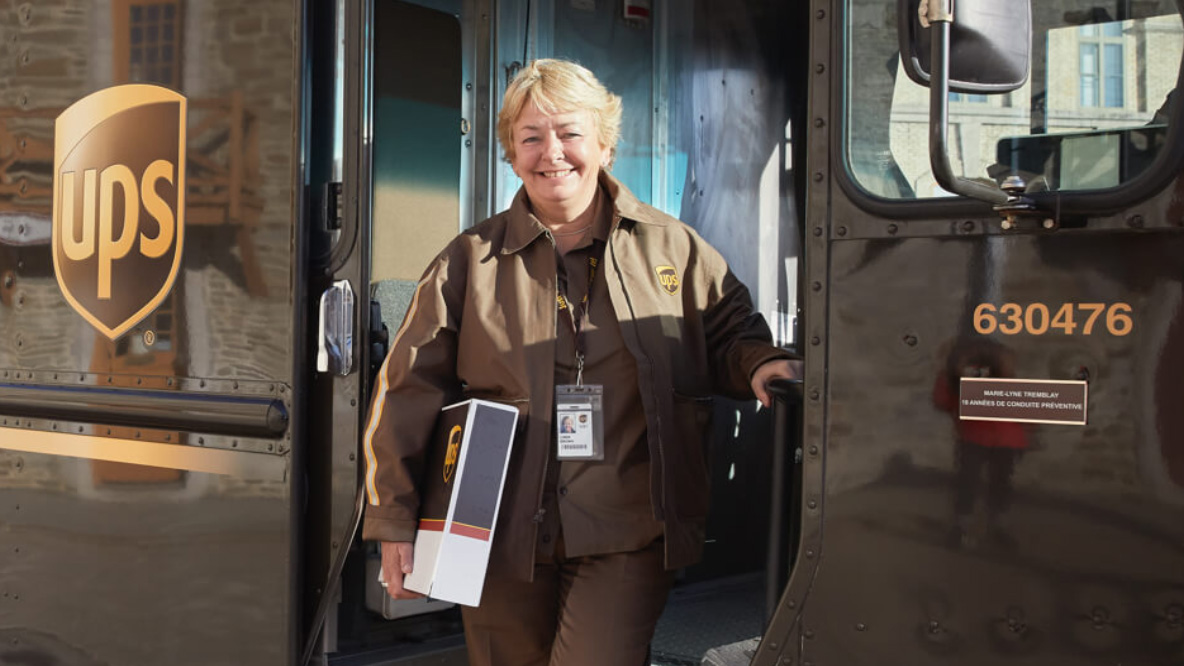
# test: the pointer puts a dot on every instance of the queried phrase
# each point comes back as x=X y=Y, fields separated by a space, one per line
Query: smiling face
x=558 y=157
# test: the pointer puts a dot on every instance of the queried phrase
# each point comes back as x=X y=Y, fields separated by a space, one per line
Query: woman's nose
x=553 y=148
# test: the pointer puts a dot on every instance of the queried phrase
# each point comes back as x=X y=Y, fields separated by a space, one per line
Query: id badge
x=579 y=421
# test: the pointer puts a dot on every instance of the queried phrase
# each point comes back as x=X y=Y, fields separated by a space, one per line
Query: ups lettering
x=116 y=238
x=668 y=280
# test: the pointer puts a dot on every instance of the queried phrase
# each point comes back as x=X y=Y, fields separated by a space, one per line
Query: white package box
x=461 y=495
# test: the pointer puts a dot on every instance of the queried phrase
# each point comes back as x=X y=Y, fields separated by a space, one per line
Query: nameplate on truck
x=1023 y=400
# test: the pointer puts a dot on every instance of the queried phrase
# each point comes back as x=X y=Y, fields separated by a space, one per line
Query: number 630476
x=1039 y=318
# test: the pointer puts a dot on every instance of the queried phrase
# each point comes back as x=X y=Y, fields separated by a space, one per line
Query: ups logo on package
x=119 y=203
x=453 y=453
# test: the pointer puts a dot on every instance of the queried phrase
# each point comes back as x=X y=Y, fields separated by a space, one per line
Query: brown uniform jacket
x=482 y=325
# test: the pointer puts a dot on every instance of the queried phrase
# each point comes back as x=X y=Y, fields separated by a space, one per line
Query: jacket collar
x=625 y=205
x=523 y=228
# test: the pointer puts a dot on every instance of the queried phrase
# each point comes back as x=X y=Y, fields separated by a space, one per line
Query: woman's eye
x=530 y=139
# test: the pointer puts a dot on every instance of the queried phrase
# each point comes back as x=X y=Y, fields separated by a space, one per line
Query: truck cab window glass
x=1093 y=114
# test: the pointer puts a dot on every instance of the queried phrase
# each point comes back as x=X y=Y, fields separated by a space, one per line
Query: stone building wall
x=44 y=68
x=247 y=48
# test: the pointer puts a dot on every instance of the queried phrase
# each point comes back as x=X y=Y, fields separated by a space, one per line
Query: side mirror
x=990 y=44
x=980 y=46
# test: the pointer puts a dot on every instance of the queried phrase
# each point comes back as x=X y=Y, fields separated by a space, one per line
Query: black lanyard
x=577 y=319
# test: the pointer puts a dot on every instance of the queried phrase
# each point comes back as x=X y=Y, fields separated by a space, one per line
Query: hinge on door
x=332 y=207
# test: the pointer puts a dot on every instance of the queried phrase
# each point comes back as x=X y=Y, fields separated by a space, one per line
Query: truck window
x=1093 y=115
x=417 y=120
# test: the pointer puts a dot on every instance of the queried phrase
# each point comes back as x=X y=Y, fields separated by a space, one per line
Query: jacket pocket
x=687 y=465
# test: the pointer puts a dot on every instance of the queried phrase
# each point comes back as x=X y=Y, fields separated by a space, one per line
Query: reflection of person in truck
x=578 y=279
x=567 y=426
x=984 y=447
x=1164 y=113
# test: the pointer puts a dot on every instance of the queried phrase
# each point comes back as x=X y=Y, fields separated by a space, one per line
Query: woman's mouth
x=556 y=174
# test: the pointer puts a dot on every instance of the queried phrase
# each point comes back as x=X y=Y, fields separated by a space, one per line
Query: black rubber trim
x=166 y=410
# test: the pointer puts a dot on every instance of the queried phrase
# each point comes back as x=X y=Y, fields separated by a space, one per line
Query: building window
x=148 y=42
x=147 y=49
x=967 y=97
x=1100 y=54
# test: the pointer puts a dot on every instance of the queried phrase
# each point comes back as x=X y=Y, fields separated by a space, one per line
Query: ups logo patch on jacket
x=668 y=279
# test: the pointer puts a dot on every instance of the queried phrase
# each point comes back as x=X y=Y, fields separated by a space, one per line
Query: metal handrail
x=784 y=517
x=170 y=410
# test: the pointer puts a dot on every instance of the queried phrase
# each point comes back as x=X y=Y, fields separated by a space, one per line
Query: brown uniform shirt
x=600 y=506
x=685 y=319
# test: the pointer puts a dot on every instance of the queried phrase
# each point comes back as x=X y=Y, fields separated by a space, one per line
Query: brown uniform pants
x=598 y=610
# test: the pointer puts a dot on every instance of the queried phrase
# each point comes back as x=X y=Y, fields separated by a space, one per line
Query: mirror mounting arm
x=939 y=116
x=932 y=11
x=1018 y=205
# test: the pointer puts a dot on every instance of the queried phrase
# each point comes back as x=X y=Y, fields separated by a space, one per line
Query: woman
x=577 y=284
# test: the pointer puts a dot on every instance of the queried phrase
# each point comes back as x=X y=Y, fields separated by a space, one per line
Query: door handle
x=335 y=330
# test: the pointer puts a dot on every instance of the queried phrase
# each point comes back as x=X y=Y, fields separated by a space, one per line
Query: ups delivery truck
x=965 y=214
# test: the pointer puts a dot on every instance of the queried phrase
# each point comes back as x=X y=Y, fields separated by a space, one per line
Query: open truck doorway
x=710 y=107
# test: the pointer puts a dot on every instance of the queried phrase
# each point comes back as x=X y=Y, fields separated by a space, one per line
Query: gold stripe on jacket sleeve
x=380 y=398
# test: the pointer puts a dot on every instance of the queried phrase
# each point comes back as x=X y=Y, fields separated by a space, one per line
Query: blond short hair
x=560 y=86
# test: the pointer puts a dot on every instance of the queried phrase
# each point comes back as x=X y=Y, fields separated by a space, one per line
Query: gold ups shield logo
x=452 y=454
x=119 y=203
x=668 y=279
